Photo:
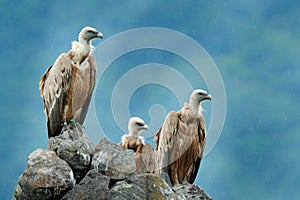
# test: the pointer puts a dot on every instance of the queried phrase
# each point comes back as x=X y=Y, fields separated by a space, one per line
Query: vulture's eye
x=90 y=31
x=200 y=93
x=139 y=124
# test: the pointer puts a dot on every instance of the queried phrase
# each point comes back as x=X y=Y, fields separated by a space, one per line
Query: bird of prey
x=145 y=155
x=133 y=140
x=67 y=85
x=181 y=140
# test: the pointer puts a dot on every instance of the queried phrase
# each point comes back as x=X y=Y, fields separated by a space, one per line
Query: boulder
x=190 y=191
x=142 y=186
x=113 y=160
x=75 y=147
x=46 y=176
x=93 y=186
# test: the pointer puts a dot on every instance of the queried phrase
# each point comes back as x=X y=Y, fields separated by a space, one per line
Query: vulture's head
x=200 y=95
x=87 y=34
x=136 y=125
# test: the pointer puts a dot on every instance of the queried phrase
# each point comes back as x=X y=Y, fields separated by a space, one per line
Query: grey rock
x=46 y=176
x=190 y=191
x=166 y=177
x=142 y=186
x=93 y=186
x=124 y=190
x=75 y=147
x=113 y=160
x=112 y=176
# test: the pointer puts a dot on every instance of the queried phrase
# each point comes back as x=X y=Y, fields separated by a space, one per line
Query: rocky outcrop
x=105 y=172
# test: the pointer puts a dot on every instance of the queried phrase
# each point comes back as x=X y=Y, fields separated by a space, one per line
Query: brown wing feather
x=198 y=149
x=145 y=159
x=164 y=145
x=54 y=86
x=195 y=152
x=91 y=85
x=156 y=139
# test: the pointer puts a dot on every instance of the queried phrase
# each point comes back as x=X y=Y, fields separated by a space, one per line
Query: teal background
x=255 y=44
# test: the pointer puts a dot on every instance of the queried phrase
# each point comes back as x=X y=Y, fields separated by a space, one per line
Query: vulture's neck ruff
x=80 y=52
x=192 y=110
x=82 y=49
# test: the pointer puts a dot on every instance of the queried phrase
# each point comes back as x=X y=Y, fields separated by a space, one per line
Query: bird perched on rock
x=145 y=155
x=181 y=140
x=67 y=85
x=133 y=140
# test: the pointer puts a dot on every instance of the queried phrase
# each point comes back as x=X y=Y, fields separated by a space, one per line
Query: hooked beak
x=208 y=97
x=145 y=127
x=99 y=35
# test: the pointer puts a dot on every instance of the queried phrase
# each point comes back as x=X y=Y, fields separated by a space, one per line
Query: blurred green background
x=255 y=44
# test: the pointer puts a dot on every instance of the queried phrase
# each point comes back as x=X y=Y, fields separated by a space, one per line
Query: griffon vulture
x=144 y=157
x=181 y=140
x=133 y=140
x=67 y=86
